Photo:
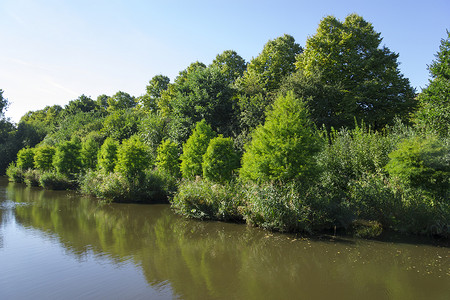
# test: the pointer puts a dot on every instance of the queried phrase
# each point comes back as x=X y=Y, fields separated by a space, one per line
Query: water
x=60 y=245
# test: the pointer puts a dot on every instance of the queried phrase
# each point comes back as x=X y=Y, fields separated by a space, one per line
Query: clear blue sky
x=52 y=51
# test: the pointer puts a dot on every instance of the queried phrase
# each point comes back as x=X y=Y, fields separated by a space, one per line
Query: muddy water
x=60 y=245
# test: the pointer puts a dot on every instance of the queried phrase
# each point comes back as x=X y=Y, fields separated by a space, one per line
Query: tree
x=107 y=156
x=194 y=148
x=283 y=148
x=168 y=158
x=434 y=101
x=230 y=64
x=89 y=153
x=120 y=100
x=81 y=104
x=132 y=158
x=156 y=86
x=43 y=157
x=220 y=160
x=122 y=124
x=263 y=77
x=67 y=158
x=3 y=104
x=25 y=158
x=348 y=57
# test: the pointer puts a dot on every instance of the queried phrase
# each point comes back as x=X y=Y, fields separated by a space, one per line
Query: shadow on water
x=217 y=260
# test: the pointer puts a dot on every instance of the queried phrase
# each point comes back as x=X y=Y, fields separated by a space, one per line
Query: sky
x=53 y=51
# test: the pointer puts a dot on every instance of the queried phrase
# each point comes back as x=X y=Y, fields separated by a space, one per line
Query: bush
x=14 y=173
x=43 y=157
x=422 y=163
x=220 y=160
x=25 y=158
x=277 y=207
x=31 y=177
x=203 y=199
x=56 y=181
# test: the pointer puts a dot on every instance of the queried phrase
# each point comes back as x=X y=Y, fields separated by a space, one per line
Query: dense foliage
x=329 y=137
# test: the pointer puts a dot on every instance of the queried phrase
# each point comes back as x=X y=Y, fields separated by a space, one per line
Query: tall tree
x=263 y=77
x=434 y=101
x=121 y=100
x=230 y=64
x=349 y=56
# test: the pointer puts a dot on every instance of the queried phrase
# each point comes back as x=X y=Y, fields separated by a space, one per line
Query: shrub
x=107 y=156
x=14 y=173
x=422 y=163
x=220 y=160
x=203 y=199
x=193 y=150
x=43 y=157
x=31 y=177
x=56 y=181
x=168 y=158
x=25 y=158
x=277 y=207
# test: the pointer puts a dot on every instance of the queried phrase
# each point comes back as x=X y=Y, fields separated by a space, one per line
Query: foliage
x=434 y=101
x=132 y=158
x=203 y=199
x=120 y=101
x=43 y=157
x=25 y=158
x=220 y=160
x=82 y=104
x=67 y=158
x=107 y=156
x=348 y=56
x=89 y=153
x=194 y=148
x=14 y=173
x=31 y=177
x=230 y=64
x=122 y=124
x=276 y=207
x=423 y=163
x=168 y=158
x=284 y=148
x=52 y=180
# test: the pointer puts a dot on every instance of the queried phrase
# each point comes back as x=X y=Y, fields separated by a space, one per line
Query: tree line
x=329 y=135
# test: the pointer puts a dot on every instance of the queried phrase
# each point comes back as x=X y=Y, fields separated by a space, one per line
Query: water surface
x=60 y=245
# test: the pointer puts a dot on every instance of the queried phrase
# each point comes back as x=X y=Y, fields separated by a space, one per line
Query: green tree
x=67 y=158
x=434 y=101
x=81 y=104
x=284 y=147
x=220 y=160
x=348 y=56
x=132 y=158
x=107 y=156
x=156 y=86
x=43 y=157
x=89 y=153
x=230 y=64
x=122 y=124
x=3 y=104
x=263 y=77
x=168 y=158
x=25 y=158
x=194 y=148
x=121 y=100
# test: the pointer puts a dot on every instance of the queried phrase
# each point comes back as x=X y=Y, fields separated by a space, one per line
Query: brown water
x=59 y=245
